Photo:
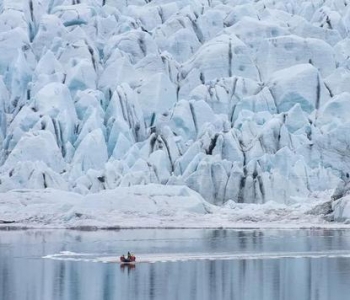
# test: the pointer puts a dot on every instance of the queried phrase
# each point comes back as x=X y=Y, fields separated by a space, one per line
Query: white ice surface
x=151 y=206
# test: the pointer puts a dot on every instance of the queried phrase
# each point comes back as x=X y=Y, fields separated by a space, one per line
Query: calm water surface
x=248 y=265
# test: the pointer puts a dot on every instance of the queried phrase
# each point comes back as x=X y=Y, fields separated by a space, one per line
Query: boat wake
x=179 y=257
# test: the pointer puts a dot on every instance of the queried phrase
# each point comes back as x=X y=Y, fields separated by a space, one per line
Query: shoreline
x=330 y=226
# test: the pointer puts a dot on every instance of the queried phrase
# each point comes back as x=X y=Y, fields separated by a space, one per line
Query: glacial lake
x=175 y=264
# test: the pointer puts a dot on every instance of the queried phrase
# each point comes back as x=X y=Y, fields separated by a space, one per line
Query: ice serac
x=180 y=34
x=240 y=100
x=286 y=51
x=49 y=32
x=182 y=121
x=31 y=175
x=161 y=164
x=135 y=45
x=288 y=88
x=335 y=112
x=87 y=100
x=338 y=82
x=91 y=122
x=81 y=14
x=223 y=56
x=11 y=42
x=37 y=146
x=124 y=114
x=253 y=31
x=224 y=95
x=156 y=96
x=47 y=70
x=81 y=76
x=55 y=100
x=341 y=209
x=90 y=154
x=117 y=72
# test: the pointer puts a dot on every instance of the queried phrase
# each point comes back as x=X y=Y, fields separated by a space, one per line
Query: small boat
x=129 y=259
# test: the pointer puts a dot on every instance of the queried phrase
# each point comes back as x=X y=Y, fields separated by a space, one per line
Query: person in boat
x=129 y=255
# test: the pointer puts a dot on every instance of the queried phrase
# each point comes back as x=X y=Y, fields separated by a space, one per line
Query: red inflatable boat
x=129 y=259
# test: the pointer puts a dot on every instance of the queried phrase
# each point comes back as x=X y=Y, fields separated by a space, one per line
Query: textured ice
x=151 y=206
x=288 y=88
x=242 y=101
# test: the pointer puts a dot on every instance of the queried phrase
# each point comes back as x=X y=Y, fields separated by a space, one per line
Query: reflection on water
x=24 y=274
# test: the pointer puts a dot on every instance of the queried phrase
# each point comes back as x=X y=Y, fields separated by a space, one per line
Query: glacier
x=241 y=102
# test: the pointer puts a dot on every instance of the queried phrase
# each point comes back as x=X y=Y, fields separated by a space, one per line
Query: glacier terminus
x=162 y=112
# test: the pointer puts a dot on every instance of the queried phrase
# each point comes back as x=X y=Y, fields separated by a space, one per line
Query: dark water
x=259 y=265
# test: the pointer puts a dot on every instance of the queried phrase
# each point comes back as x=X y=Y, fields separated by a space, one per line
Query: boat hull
x=127 y=260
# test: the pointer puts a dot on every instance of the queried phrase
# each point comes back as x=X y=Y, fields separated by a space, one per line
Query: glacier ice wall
x=238 y=99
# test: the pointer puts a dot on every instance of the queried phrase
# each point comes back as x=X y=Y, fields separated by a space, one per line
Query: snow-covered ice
x=150 y=206
x=243 y=102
